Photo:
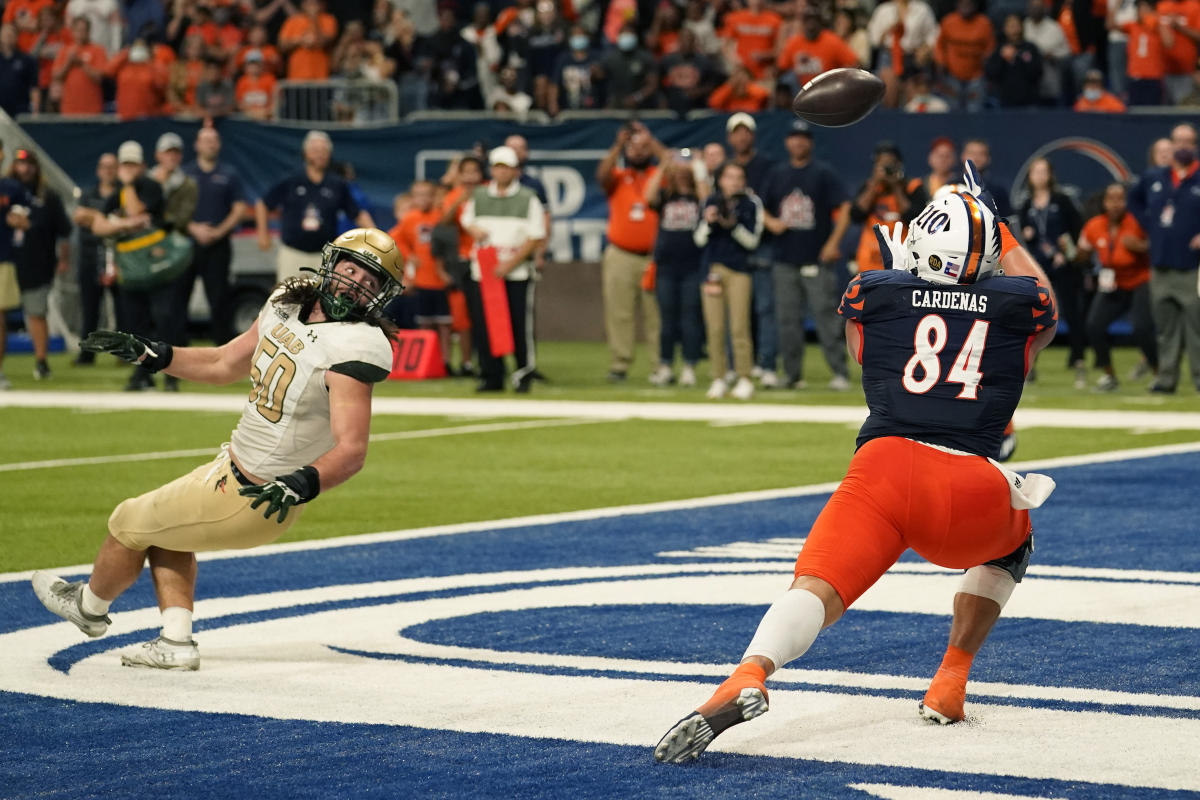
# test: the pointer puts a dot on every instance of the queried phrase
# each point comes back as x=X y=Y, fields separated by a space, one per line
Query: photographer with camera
x=883 y=200
x=624 y=174
x=729 y=231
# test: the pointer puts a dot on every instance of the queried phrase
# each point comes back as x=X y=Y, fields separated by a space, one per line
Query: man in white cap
x=508 y=216
x=137 y=208
x=308 y=203
x=739 y=133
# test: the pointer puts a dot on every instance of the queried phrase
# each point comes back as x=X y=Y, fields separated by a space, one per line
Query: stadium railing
x=354 y=102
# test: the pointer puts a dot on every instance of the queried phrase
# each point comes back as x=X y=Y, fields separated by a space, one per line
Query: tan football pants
x=195 y=513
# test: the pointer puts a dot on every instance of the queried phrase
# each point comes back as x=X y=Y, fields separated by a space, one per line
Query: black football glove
x=152 y=356
x=284 y=492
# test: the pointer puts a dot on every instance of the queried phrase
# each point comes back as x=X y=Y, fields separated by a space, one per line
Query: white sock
x=788 y=628
x=92 y=604
x=177 y=624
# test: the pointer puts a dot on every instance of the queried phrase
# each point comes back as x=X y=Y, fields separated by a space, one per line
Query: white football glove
x=891 y=245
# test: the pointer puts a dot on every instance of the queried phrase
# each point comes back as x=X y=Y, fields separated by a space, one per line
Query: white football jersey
x=285 y=424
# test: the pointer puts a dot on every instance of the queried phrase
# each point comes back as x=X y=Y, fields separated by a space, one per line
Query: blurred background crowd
x=268 y=58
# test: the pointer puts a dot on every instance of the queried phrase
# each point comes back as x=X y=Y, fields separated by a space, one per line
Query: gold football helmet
x=371 y=249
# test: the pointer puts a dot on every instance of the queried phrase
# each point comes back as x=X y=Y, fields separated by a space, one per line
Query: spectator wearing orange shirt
x=184 y=75
x=1095 y=97
x=79 y=69
x=1122 y=249
x=141 y=83
x=750 y=36
x=308 y=61
x=812 y=51
x=964 y=42
x=632 y=229
x=1146 y=61
x=1179 y=21
x=413 y=234
x=257 y=39
x=310 y=27
x=255 y=90
x=51 y=39
x=24 y=14
x=886 y=197
x=739 y=93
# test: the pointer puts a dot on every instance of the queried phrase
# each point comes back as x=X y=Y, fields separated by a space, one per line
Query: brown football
x=838 y=97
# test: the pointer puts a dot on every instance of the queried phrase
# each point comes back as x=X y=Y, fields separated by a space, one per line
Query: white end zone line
x=619 y=511
x=609 y=410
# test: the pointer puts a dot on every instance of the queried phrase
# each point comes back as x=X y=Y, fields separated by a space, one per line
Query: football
x=838 y=97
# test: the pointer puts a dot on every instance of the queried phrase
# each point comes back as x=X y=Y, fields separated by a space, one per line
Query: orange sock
x=752 y=670
x=1008 y=429
x=957 y=662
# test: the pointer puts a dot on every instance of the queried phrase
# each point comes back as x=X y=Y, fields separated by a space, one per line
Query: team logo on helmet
x=935 y=263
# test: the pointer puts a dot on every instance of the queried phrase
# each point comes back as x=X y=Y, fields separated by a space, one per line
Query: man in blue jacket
x=1166 y=201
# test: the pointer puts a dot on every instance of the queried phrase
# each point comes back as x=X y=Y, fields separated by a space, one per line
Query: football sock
x=788 y=628
x=177 y=624
x=957 y=662
x=92 y=604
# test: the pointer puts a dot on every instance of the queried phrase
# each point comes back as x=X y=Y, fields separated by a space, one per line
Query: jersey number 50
x=270 y=385
x=929 y=340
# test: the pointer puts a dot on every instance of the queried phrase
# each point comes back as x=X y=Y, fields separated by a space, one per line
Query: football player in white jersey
x=314 y=353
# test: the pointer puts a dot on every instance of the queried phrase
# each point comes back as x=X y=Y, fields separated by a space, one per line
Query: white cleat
x=63 y=599
x=769 y=379
x=717 y=390
x=163 y=653
x=689 y=737
x=744 y=389
x=687 y=376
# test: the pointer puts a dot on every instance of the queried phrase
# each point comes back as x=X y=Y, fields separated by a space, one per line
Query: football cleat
x=741 y=698
x=163 y=653
x=63 y=599
x=943 y=702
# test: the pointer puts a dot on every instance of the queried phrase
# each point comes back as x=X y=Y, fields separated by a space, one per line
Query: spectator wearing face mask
x=1095 y=97
x=1166 y=201
x=141 y=82
x=630 y=72
x=578 y=77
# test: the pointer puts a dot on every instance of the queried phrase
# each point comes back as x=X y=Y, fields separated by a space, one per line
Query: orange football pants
x=953 y=510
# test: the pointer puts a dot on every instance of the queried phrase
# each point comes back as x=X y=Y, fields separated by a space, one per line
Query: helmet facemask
x=343 y=298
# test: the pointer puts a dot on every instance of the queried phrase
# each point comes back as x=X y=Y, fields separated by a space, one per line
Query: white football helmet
x=954 y=240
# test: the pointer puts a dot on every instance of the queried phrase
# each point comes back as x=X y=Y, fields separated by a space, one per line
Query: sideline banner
x=1087 y=150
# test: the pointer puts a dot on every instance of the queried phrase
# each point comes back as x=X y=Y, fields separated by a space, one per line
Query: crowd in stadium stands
x=213 y=57
x=721 y=248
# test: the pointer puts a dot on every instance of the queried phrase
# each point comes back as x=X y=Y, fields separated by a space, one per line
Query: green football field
x=64 y=469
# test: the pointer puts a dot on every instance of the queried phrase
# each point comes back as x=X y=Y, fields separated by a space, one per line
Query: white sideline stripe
x=679 y=412
x=613 y=511
x=425 y=433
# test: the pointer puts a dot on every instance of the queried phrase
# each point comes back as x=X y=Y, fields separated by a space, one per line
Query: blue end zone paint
x=224 y=756
x=1024 y=651
x=1131 y=515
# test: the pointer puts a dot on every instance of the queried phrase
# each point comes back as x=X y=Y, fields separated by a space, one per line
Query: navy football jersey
x=944 y=364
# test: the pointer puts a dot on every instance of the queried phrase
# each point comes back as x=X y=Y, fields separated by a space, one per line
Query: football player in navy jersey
x=945 y=340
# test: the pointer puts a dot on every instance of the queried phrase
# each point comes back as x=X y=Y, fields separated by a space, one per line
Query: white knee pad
x=990 y=582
